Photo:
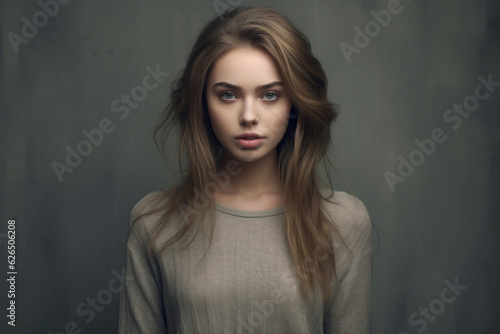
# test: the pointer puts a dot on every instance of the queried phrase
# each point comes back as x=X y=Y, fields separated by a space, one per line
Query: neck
x=255 y=178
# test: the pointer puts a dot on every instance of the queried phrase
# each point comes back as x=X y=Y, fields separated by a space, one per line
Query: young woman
x=249 y=241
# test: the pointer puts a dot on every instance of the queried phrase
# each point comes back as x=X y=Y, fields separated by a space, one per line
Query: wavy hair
x=309 y=228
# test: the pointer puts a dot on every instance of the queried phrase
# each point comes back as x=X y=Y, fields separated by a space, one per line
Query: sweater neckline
x=251 y=214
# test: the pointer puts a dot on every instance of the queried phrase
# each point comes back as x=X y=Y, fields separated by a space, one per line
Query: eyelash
x=268 y=101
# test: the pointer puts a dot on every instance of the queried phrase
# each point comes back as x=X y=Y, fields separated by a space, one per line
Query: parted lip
x=249 y=135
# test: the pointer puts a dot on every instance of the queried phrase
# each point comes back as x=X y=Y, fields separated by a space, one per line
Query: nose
x=248 y=116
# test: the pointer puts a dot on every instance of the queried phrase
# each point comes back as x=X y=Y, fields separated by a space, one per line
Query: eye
x=227 y=96
x=270 y=96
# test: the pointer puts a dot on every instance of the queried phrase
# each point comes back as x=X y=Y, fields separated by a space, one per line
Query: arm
x=350 y=310
x=141 y=303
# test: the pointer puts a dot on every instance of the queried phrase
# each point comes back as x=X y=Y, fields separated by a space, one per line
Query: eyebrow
x=234 y=87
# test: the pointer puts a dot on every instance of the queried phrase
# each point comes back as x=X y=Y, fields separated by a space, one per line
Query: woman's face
x=245 y=93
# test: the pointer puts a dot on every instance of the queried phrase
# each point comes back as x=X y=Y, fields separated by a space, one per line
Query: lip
x=249 y=143
x=249 y=134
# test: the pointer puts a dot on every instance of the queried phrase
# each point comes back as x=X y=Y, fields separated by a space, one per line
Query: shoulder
x=348 y=213
x=147 y=211
x=350 y=218
x=146 y=204
x=152 y=211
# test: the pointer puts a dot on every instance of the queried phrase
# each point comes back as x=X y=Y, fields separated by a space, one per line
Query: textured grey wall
x=440 y=224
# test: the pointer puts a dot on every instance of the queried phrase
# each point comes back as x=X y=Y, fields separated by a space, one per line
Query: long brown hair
x=309 y=227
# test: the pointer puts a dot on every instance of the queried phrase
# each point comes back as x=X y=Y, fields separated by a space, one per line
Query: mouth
x=251 y=142
x=249 y=136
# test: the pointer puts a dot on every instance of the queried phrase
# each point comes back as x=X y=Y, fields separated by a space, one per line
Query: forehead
x=245 y=67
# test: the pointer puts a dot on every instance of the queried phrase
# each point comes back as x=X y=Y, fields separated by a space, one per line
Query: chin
x=248 y=156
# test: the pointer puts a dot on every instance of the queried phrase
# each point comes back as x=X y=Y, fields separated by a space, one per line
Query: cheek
x=219 y=118
x=279 y=120
x=213 y=112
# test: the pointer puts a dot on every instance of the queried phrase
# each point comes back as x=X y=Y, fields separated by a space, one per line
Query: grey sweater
x=247 y=282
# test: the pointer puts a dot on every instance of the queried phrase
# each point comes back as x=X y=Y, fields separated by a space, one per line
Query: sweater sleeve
x=141 y=303
x=350 y=310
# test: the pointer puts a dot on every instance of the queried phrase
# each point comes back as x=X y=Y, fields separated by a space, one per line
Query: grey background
x=441 y=223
